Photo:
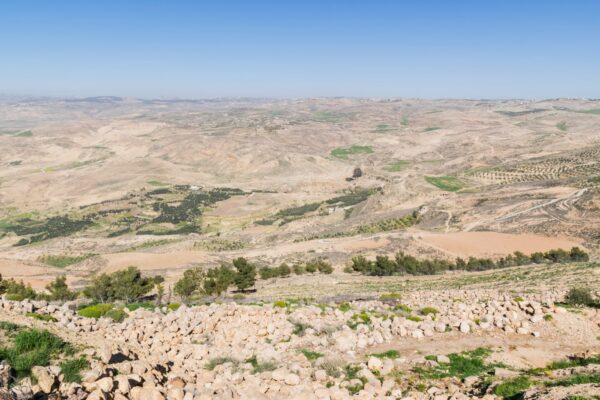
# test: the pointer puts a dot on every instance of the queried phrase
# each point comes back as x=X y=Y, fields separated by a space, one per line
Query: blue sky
x=302 y=48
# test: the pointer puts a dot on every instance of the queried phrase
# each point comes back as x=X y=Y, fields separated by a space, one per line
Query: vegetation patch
x=397 y=166
x=562 y=126
x=258 y=367
x=95 y=311
x=220 y=245
x=461 y=365
x=33 y=347
x=580 y=379
x=157 y=183
x=62 y=261
x=447 y=183
x=150 y=244
x=428 y=310
x=574 y=362
x=215 y=362
x=387 y=354
x=41 y=317
x=511 y=388
x=71 y=369
x=404 y=264
x=385 y=225
x=521 y=113
x=345 y=152
x=311 y=355
x=384 y=128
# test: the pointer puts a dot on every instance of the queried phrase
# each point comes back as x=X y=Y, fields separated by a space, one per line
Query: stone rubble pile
x=227 y=351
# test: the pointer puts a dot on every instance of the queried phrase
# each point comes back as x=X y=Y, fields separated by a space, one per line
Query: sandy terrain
x=527 y=178
x=493 y=244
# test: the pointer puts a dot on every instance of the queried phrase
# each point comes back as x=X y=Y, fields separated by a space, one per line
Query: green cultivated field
x=447 y=183
x=344 y=152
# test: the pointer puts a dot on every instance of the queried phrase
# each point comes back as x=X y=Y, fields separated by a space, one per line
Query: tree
x=59 y=290
x=218 y=280
x=311 y=267
x=266 y=272
x=324 y=267
x=299 y=269
x=284 y=270
x=100 y=289
x=190 y=282
x=580 y=297
x=129 y=285
x=245 y=277
x=577 y=254
x=160 y=293
x=383 y=266
x=357 y=173
x=361 y=264
x=537 y=258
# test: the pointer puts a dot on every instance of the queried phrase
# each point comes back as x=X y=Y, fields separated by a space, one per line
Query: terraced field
x=579 y=166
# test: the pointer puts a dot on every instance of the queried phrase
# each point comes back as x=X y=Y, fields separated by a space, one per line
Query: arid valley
x=487 y=198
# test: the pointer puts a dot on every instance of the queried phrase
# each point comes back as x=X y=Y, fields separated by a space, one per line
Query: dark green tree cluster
x=50 y=228
x=284 y=270
x=59 y=290
x=215 y=281
x=16 y=290
x=581 y=296
x=275 y=272
x=127 y=285
x=404 y=264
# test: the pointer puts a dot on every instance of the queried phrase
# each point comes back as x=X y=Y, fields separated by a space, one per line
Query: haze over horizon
x=266 y=49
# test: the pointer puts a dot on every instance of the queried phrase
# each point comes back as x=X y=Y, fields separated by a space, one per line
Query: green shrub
x=403 y=307
x=428 y=310
x=461 y=365
x=95 y=311
x=548 y=317
x=16 y=291
x=390 y=296
x=41 y=317
x=513 y=387
x=258 y=367
x=280 y=304
x=31 y=347
x=414 y=318
x=144 y=305
x=344 y=307
x=387 y=354
x=580 y=297
x=71 y=369
x=318 y=265
x=574 y=362
x=127 y=285
x=59 y=290
x=9 y=326
x=299 y=329
x=580 y=379
x=116 y=315
x=173 y=306
x=311 y=355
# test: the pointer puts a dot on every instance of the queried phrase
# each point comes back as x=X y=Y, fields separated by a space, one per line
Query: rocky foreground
x=289 y=350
